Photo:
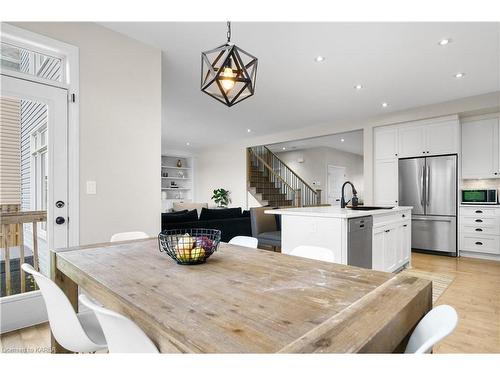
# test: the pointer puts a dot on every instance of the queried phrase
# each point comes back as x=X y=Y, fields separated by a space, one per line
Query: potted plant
x=221 y=198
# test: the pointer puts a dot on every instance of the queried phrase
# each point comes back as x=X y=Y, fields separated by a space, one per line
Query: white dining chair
x=434 y=326
x=122 y=334
x=77 y=332
x=127 y=236
x=314 y=252
x=245 y=241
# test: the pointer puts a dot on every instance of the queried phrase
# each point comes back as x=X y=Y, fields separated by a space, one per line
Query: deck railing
x=12 y=244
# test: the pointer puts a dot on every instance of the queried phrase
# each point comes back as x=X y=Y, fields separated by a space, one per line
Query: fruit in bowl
x=183 y=247
x=205 y=243
x=198 y=253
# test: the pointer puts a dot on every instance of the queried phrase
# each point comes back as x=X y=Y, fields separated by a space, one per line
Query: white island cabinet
x=328 y=227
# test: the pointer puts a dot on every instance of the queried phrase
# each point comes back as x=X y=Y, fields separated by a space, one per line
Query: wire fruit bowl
x=189 y=246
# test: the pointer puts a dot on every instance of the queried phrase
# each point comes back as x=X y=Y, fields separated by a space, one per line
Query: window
x=39 y=173
x=24 y=61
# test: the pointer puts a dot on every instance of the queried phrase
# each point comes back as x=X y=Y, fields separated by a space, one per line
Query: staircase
x=273 y=183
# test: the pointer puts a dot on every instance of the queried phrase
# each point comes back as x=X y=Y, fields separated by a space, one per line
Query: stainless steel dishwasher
x=359 y=242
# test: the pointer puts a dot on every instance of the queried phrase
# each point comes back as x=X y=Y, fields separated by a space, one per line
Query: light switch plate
x=91 y=187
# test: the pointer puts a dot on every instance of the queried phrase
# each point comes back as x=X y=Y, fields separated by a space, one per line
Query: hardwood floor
x=474 y=292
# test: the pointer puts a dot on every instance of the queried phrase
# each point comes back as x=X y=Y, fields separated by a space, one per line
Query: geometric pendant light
x=228 y=73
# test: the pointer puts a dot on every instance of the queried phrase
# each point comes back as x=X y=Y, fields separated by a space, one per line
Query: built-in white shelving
x=176 y=181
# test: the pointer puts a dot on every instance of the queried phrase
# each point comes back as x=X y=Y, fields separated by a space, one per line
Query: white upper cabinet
x=430 y=137
x=480 y=148
x=412 y=141
x=443 y=137
x=386 y=141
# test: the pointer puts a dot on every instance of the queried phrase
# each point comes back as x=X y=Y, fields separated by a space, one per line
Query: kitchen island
x=328 y=227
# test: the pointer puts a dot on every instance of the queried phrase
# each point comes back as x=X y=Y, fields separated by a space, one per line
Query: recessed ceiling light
x=319 y=59
x=460 y=75
x=385 y=105
x=188 y=144
x=358 y=87
x=342 y=139
x=444 y=42
x=284 y=148
x=249 y=130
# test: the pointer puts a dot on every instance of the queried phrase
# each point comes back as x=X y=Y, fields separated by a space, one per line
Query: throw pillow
x=218 y=214
x=181 y=217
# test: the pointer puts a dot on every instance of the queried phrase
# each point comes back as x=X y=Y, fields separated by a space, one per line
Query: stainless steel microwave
x=479 y=196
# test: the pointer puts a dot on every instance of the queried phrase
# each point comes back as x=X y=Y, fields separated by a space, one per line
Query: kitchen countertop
x=334 y=212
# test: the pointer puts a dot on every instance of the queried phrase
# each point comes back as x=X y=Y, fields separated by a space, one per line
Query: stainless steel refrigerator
x=429 y=184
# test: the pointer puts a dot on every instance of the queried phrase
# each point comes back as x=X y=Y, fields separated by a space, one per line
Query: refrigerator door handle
x=448 y=220
x=422 y=173
x=427 y=179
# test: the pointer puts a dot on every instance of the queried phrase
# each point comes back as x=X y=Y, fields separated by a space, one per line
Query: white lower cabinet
x=480 y=230
x=391 y=245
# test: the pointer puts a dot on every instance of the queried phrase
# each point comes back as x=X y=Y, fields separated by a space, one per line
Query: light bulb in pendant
x=227 y=80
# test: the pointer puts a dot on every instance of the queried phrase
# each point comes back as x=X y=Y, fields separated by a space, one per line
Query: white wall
x=120 y=128
x=314 y=166
x=223 y=167
x=234 y=170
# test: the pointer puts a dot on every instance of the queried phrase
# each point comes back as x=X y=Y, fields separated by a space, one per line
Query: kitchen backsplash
x=481 y=184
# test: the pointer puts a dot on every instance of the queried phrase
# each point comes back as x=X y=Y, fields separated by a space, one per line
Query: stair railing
x=285 y=194
x=284 y=177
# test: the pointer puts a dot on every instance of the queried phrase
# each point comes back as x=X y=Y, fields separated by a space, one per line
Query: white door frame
x=327 y=179
x=29 y=308
x=70 y=57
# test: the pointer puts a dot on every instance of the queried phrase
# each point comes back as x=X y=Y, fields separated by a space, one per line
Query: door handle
x=430 y=219
x=60 y=220
x=387 y=230
x=422 y=185
x=427 y=179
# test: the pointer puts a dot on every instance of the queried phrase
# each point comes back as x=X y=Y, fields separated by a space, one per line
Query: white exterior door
x=43 y=159
x=336 y=177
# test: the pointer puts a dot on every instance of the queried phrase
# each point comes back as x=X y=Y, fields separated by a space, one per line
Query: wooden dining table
x=246 y=300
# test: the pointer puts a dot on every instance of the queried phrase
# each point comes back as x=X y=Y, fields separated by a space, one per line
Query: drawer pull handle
x=403 y=215
x=479 y=243
x=405 y=225
x=387 y=230
x=362 y=226
x=479 y=221
x=479 y=230
x=479 y=212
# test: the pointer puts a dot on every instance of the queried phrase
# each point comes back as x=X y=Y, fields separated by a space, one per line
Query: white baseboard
x=22 y=310
x=470 y=254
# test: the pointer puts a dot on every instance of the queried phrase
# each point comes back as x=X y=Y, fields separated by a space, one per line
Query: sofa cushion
x=180 y=216
x=178 y=206
x=220 y=213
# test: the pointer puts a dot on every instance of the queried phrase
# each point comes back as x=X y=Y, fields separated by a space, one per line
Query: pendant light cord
x=228 y=31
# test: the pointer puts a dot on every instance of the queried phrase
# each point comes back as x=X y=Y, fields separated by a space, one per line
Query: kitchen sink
x=369 y=208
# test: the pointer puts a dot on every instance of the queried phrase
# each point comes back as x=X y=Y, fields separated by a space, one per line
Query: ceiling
x=398 y=63
x=347 y=141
